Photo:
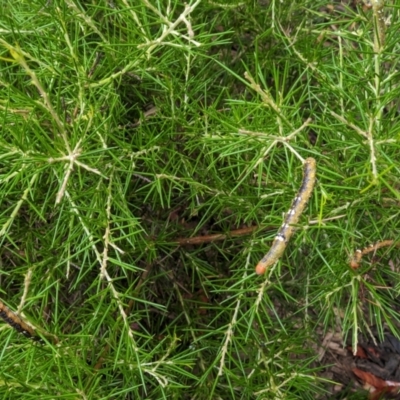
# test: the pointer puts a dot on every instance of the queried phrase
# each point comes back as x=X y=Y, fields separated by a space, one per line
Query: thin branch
x=219 y=236
x=231 y=327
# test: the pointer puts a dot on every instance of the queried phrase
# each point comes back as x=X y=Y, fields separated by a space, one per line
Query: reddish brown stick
x=355 y=260
x=218 y=236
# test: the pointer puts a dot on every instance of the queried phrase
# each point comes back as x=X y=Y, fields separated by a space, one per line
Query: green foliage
x=128 y=127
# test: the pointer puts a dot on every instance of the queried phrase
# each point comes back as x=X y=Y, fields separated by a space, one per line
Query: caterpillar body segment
x=291 y=218
x=15 y=321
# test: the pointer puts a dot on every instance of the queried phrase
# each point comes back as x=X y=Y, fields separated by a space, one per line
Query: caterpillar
x=16 y=322
x=291 y=218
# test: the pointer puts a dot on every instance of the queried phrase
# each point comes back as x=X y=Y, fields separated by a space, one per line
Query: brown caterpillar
x=298 y=205
x=17 y=323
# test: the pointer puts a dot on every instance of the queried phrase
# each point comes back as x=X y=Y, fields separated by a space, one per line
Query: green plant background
x=127 y=126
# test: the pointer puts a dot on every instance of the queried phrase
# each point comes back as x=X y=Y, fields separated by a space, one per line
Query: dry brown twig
x=355 y=260
x=219 y=236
